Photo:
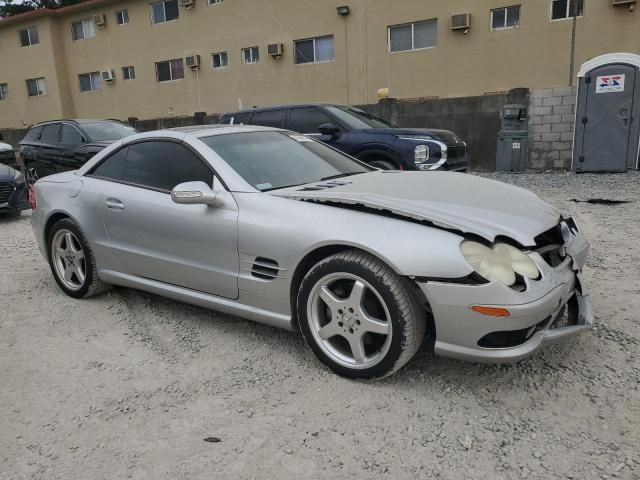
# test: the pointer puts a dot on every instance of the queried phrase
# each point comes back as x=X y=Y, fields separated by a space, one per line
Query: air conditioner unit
x=100 y=20
x=461 y=21
x=108 y=75
x=622 y=2
x=193 y=62
x=188 y=3
x=276 y=50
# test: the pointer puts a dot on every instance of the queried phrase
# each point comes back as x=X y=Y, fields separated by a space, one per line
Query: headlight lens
x=421 y=153
x=501 y=262
x=18 y=178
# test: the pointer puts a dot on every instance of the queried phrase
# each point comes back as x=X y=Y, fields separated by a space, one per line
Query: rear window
x=34 y=133
x=268 y=118
x=236 y=119
x=100 y=131
x=50 y=133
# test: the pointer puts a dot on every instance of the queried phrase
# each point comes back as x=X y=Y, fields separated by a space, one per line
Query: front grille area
x=511 y=338
x=456 y=151
x=6 y=190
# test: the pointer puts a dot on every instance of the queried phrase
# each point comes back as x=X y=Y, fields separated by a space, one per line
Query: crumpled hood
x=445 y=136
x=458 y=201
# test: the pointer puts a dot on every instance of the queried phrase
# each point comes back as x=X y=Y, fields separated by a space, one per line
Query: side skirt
x=220 y=304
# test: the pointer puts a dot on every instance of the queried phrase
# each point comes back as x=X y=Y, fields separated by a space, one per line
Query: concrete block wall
x=551 y=126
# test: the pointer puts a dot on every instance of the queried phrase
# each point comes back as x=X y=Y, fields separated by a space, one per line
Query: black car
x=13 y=191
x=62 y=145
x=363 y=136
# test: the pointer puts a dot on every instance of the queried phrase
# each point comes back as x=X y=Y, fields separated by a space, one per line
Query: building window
x=250 y=55
x=220 y=59
x=90 y=82
x=122 y=17
x=4 y=91
x=35 y=87
x=83 y=29
x=561 y=9
x=314 y=50
x=165 y=11
x=507 y=17
x=170 y=70
x=413 y=36
x=215 y=2
x=28 y=37
x=128 y=73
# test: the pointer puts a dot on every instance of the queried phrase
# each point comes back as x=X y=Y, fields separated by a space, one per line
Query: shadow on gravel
x=601 y=201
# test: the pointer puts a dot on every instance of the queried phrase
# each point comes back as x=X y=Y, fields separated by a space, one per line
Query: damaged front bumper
x=550 y=309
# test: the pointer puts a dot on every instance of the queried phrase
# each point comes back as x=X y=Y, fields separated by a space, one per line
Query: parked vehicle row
x=279 y=228
x=60 y=146
x=364 y=136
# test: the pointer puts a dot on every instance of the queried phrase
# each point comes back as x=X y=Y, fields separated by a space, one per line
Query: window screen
x=269 y=118
x=307 y=120
x=163 y=165
x=50 y=133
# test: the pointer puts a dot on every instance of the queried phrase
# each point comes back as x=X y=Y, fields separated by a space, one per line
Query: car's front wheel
x=72 y=262
x=358 y=316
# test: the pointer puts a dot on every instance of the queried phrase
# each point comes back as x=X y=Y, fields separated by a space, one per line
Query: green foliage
x=13 y=7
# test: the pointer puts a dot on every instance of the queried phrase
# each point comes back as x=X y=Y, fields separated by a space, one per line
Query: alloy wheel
x=349 y=320
x=69 y=259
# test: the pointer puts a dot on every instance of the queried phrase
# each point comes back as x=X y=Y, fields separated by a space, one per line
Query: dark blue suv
x=363 y=136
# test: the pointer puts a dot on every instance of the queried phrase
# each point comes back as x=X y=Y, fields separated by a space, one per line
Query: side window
x=34 y=133
x=307 y=120
x=50 y=133
x=269 y=118
x=236 y=119
x=163 y=165
x=71 y=135
x=112 y=167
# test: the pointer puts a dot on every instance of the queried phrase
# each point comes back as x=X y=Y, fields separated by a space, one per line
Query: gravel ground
x=128 y=385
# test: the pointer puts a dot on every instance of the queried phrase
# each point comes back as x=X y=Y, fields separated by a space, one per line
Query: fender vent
x=265 y=269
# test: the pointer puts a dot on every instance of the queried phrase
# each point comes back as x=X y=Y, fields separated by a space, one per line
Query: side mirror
x=195 y=193
x=329 y=129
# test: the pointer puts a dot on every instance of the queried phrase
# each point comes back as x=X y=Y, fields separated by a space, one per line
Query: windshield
x=357 y=119
x=99 y=131
x=271 y=160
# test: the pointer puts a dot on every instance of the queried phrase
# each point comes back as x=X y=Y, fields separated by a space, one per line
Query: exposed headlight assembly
x=421 y=154
x=501 y=262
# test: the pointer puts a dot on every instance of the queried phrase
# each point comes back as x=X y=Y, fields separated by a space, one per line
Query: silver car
x=278 y=228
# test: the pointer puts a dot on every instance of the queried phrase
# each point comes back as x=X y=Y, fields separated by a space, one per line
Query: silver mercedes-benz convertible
x=278 y=228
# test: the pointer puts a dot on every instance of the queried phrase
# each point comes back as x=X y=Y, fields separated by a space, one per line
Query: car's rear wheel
x=72 y=262
x=359 y=317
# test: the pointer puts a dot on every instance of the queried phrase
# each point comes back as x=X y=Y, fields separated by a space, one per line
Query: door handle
x=114 y=204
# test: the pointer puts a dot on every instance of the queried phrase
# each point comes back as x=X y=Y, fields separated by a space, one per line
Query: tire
x=383 y=164
x=358 y=316
x=69 y=251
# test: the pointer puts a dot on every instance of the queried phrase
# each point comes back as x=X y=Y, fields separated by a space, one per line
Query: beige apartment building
x=133 y=58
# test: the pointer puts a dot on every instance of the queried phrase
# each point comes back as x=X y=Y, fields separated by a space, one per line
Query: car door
x=47 y=150
x=191 y=246
x=307 y=120
x=70 y=139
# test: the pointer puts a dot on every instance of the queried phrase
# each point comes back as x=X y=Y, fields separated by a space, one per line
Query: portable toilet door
x=607 y=130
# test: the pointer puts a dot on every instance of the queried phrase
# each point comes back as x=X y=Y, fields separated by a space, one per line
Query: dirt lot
x=128 y=385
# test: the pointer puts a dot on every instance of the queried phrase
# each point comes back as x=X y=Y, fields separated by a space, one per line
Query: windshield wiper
x=340 y=175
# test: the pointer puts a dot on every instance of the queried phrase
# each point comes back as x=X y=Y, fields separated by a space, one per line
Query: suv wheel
x=358 y=316
x=383 y=164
